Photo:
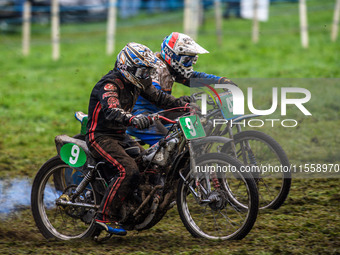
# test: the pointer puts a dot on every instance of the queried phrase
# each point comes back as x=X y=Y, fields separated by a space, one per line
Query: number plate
x=83 y=125
x=73 y=155
x=227 y=105
x=192 y=127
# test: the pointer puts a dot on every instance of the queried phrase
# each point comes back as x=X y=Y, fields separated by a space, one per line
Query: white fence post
x=255 y=30
x=26 y=28
x=187 y=17
x=191 y=17
x=197 y=11
x=55 y=30
x=303 y=23
x=218 y=19
x=335 y=25
x=201 y=13
x=111 y=27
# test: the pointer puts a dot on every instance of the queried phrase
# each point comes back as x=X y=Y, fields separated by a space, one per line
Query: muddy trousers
x=113 y=150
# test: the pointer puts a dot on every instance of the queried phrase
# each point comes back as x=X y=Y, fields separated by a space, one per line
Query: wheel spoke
x=216 y=224
x=262 y=150
x=60 y=221
x=205 y=211
x=229 y=220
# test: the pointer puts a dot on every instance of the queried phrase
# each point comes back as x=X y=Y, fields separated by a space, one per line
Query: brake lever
x=195 y=97
x=153 y=118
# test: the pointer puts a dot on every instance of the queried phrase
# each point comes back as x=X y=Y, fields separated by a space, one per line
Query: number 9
x=75 y=153
x=190 y=127
x=229 y=104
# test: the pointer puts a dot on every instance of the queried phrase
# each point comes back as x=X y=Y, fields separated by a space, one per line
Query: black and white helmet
x=136 y=62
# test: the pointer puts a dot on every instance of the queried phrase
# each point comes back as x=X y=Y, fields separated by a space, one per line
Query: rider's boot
x=110 y=227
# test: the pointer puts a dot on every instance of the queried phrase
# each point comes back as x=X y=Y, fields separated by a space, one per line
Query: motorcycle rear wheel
x=264 y=151
x=56 y=221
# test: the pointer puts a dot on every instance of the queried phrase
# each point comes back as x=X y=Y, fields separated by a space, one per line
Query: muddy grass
x=38 y=98
x=308 y=223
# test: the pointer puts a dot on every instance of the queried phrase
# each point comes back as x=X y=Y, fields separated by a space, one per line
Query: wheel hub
x=73 y=211
x=218 y=200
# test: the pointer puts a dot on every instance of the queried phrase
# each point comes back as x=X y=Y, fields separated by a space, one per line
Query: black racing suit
x=111 y=102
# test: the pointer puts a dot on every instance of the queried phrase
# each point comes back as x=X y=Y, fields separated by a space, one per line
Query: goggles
x=142 y=72
x=186 y=60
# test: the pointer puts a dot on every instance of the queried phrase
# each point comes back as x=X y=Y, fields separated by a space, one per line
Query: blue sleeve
x=201 y=75
x=204 y=79
x=144 y=106
x=156 y=85
x=199 y=79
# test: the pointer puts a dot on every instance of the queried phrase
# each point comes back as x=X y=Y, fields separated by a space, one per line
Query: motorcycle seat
x=60 y=140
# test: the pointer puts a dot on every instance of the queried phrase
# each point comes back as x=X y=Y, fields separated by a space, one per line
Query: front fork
x=202 y=191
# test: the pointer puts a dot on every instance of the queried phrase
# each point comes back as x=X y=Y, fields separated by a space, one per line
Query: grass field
x=38 y=98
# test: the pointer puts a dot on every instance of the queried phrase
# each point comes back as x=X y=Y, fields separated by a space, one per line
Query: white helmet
x=180 y=52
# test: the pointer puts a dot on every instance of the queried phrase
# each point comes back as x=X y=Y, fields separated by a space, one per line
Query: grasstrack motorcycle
x=68 y=188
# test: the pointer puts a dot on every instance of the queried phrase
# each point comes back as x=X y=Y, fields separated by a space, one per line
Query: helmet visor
x=186 y=60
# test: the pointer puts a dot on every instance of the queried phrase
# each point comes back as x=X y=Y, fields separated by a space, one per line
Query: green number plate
x=227 y=105
x=73 y=155
x=83 y=125
x=192 y=127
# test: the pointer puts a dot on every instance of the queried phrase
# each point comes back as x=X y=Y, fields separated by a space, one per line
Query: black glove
x=146 y=82
x=140 y=121
x=224 y=80
x=186 y=99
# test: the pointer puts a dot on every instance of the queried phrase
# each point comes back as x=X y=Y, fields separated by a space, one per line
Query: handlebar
x=155 y=117
x=168 y=120
x=196 y=97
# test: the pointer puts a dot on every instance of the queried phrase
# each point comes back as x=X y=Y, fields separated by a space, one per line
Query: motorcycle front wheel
x=217 y=201
x=63 y=222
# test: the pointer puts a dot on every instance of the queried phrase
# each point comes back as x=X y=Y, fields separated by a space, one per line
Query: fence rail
x=191 y=15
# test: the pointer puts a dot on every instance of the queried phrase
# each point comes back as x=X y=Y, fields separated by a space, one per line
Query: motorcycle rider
x=178 y=54
x=111 y=102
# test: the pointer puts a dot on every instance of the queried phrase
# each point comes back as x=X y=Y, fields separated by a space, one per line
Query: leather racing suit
x=109 y=113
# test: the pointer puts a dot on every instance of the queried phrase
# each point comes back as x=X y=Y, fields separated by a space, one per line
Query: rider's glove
x=140 y=121
x=145 y=82
x=186 y=99
x=224 y=80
